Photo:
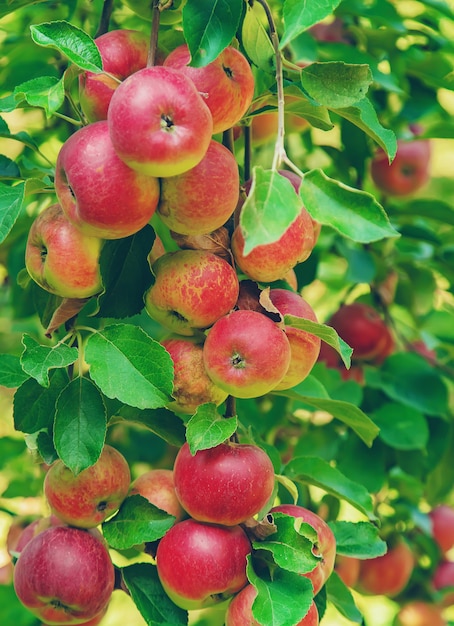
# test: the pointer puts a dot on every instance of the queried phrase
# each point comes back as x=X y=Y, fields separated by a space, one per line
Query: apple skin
x=442 y=521
x=157 y=486
x=192 y=385
x=388 y=574
x=227 y=83
x=443 y=578
x=239 y=611
x=193 y=289
x=305 y=347
x=202 y=199
x=159 y=123
x=409 y=171
x=64 y=575
x=296 y=182
x=226 y=484
x=326 y=542
x=347 y=568
x=246 y=354
x=201 y=564
x=101 y=195
x=60 y=258
x=93 y=495
x=420 y=613
x=123 y=52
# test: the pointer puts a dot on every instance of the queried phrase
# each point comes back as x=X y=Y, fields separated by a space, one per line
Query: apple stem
x=154 y=34
x=104 y=21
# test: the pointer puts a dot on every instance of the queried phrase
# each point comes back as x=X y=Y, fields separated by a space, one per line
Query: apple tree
x=226 y=322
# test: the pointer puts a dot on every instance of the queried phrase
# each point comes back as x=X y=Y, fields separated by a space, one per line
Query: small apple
x=409 y=171
x=202 y=199
x=193 y=289
x=226 y=484
x=442 y=521
x=101 y=195
x=201 y=564
x=388 y=574
x=191 y=386
x=64 y=575
x=443 y=581
x=60 y=258
x=159 y=123
x=329 y=31
x=88 y=498
x=157 y=486
x=420 y=613
x=246 y=354
x=326 y=547
x=347 y=567
x=227 y=83
x=123 y=52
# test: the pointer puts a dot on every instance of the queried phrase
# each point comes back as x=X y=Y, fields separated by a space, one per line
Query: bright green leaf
x=402 y=427
x=11 y=372
x=47 y=92
x=11 y=199
x=299 y=16
x=341 y=597
x=255 y=38
x=336 y=84
x=360 y=540
x=324 y=332
x=207 y=428
x=37 y=359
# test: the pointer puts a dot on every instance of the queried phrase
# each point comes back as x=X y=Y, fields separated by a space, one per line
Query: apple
x=388 y=574
x=101 y=195
x=157 y=250
x=226 y=484
x=60 y=258
x=304 y=346
x=192 y=289
x=296 y=182
x=227 y=83
x=443 y=579
x=202 y=199
x=34 y=528
x=159 y=123
x=123 y=52
x=347 y=567
x=326 y=547
x=420 y=613
x=88 y=498
x=192 y=385
x=157 y=486
x=329 y=31
x=442 y=520
x=409 y=171
x=239 y=611
x=200 y=564
x=64 y=575
x=246 y=354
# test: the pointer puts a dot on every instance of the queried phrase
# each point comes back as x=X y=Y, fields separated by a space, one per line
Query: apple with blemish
x=157 y=486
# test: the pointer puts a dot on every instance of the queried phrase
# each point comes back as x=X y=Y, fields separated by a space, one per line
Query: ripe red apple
x=442 y=520
x=123 y=52
x=326 y=547
x=246 y=354
x=296 y=182
x=420 y=613
x=64 y=575
x=60 y=258
x=159 y=123
x=201 y=564
x=193 y=289
x=239 y=611
x=34 y=528
x=347 y=567
x=226 y=484
x=388 y=574
x=227 y=83
x=202 y=199
x=443 y=579
x=88 y=498
x=409 y=171
x=304 y=346
x=191 y=386
x=101 y=195
x=157 y=486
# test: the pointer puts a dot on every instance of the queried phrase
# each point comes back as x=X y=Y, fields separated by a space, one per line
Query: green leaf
x=37 y=359
x=299 y=16
x=341 y=597
x=354 y=214
x=129 y=365
x=209 y=26
x=336 y=84
x=270 y=207
x=7 y=8
x=47 y=92
x=71 y=41
x=324 y=332
x=359 y=540
x=162 y=422
x=136 y=522
x=402 y=427
x=80 y=424
x=155 y=606
x=207 y=428
x=8 y=168
x=255 y=38
x=11 y=372
x=11 y=199
x=317 y=472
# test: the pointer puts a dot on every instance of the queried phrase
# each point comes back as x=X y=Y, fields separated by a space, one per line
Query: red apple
x=87 y=499
x=191 y=386
x=296 y=182
x=246 y=354
x=388 y=574
x=193 y=289
x=64 y=575
x=420 y=613
x=347 y=567
x=409 y=171
x=34 y=528
x=159 y=123
x=442 y=520
x=202 y=199
x=443 y=579
x=304 y=346
x=123 y=52
x=239 y=611
x=329 y=31
x=60 y=258
x=226 y=484
x=201 y=564
x=227 y=83
x=157 y=486
x=326 y=547
x=101 y=195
